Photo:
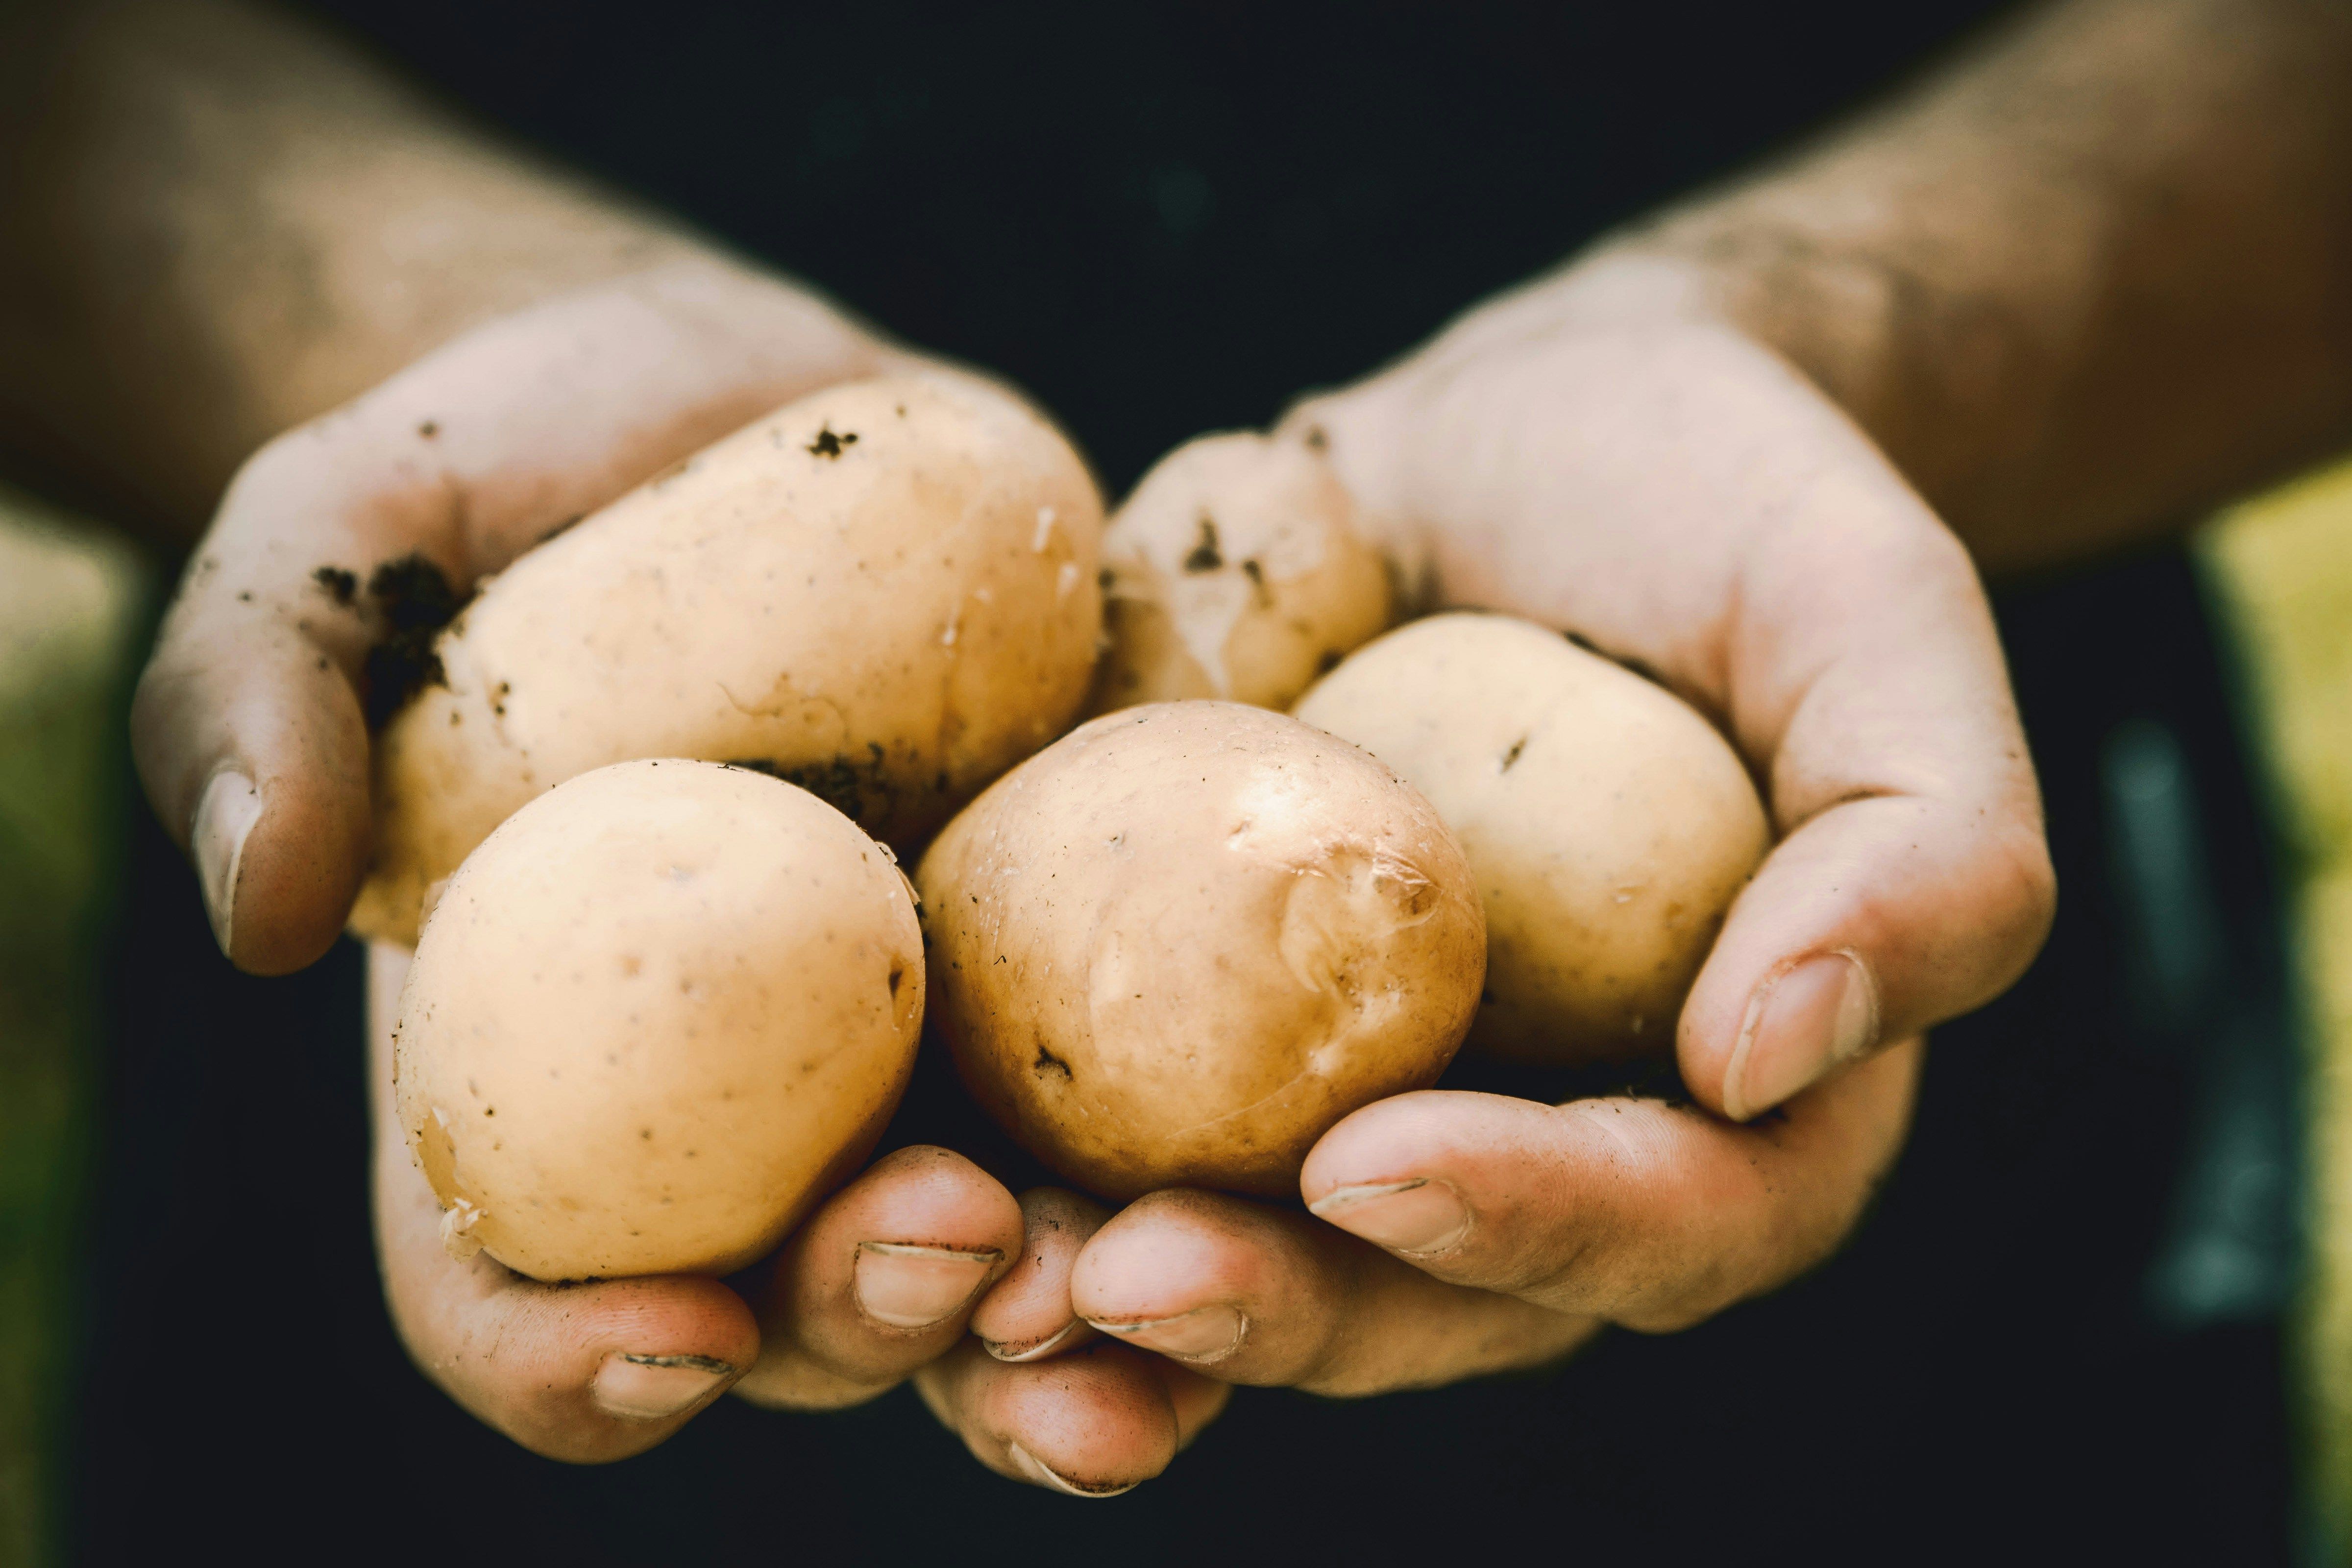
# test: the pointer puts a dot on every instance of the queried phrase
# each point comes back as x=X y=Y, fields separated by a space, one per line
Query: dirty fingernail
x=1801 y=1023
x=1205 y=1333
x=915 y=1287
x=1418 y=1216
x=225 y=817
x=656 y=1387
x=1026 y=1463
x=1037 y=1351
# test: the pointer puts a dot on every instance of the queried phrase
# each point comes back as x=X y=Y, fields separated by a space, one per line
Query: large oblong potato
x=1239 y=568
x=1609 y=823
x=1176 y=945
x=653 y=1018
x=885 y=592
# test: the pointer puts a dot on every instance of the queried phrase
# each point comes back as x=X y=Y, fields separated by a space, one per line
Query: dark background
x=2056 y=1339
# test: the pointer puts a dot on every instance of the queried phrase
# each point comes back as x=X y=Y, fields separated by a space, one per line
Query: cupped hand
x=882 y=1278
x=250 y=735
x=248 y=726
x=1603 y=454
x=924 y=1266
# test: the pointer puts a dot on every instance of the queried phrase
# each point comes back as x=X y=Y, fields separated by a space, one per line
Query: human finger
x=1253 y=1294
x=1096 y=1422
x=1911 y=880
x=1683 y=499
x=586 y=1373
x=1636 y=1211
x=1027 y=1315
x=881 y=1280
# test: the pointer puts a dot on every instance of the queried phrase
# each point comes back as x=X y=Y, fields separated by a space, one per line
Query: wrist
x=1825 y=304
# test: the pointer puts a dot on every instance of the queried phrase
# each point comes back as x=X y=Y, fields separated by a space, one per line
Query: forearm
x=216 y=223
x=2092 y=278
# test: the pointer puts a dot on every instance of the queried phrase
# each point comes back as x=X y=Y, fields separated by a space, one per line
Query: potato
x=1609 y=823
x=1239 y=569
x=1176 y=945
x=885 y=592
x=654 y=1017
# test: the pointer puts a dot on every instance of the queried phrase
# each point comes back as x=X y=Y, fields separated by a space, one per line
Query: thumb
x=248 y=732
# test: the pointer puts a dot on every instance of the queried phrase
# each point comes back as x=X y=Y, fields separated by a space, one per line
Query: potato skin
x=654 y=1017
x=1240 y=568
x=1176 y=945
x=885 y=592
x=1609 y=823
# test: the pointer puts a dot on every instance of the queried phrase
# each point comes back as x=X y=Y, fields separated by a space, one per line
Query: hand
x=248 y=725
x=882 y=1282
x=249 y=735
x=880 y=1279
x=1600 y=454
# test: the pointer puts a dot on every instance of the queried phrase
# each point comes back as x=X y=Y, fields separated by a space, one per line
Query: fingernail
x=915 y=1287
x=225 y=816
x=1801 y=1023
x=1026 y=1463
x=1418 y=1216
x=656 y=1387
x=1202 y=1334
x=1010 y=1351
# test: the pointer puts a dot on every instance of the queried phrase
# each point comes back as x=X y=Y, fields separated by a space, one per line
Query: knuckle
x=2033 y=880
x=2020 y=897
x=1556 y=1264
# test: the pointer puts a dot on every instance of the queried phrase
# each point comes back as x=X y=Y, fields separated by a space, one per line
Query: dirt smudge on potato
x=860 y=789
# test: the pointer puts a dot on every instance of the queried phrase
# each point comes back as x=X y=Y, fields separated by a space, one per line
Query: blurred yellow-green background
x=71 y=601
x=2282 y=566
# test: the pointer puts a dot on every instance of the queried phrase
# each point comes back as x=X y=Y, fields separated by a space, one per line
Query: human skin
x=1715 y=445
x=237 y=256
x=2088 y=281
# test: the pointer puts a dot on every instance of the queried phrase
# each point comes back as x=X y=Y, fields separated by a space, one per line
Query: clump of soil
x=414 y=602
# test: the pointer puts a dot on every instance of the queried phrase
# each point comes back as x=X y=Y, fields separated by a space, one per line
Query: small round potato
x=885 y=592
x=1176 y=945
x=1239 y=569
x=1609 y=823
x=656 y=1016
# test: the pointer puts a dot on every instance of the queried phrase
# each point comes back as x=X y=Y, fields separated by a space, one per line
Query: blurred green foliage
x=71 y=603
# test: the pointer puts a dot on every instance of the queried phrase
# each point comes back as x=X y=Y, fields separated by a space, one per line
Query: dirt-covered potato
x=1609 y=823
x=653 y=1018
x=885 y=592
x=1176 y=945
x=1238 y=569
